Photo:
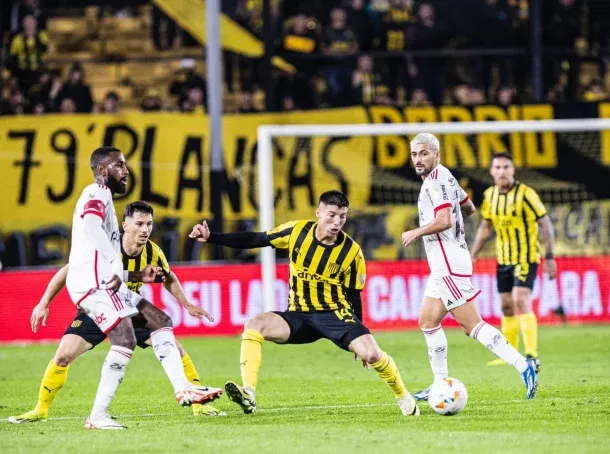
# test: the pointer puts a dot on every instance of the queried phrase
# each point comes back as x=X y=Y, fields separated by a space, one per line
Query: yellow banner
x=44 y=164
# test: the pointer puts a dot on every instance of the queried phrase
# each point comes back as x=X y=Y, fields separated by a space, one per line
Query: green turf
x=317 y=399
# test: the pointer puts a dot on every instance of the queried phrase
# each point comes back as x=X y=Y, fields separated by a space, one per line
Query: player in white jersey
x=441 y=205
x=94 y=282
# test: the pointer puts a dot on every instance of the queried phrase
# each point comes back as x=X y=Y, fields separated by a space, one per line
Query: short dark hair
x=137 y=207
x=98 y=156
x=502 y=155
x=334 y=197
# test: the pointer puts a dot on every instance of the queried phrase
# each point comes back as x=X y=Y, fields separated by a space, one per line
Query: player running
x=441 y=204
x=515 y=212
x=141 y=256
x=95 y=284
x=327 y=274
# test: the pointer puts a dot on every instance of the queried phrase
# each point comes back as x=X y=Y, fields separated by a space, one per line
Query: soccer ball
x=448 y=397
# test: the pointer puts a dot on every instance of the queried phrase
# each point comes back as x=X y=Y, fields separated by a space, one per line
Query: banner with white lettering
x=392 y=297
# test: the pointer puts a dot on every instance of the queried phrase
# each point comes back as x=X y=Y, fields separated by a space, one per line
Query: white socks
x=164 y=345
x=113 y=371
x=497 y=343
x=437 y=351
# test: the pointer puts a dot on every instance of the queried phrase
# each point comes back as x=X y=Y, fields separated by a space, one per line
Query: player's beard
x=115 y=186
x=425 y=171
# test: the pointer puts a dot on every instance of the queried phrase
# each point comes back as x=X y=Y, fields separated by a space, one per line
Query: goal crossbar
x=265 y=159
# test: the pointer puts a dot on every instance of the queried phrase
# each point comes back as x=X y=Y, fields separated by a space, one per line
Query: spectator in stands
x=68 y=106
x=419 y=97
x=15 y=104
x=362 y=23
x=288 y=104
x=39 y=93
x=299 y=38
x=75 y=89
x=558 y=93
x=111 y=103
x=397 y=18
x=151 y=101
x=369 y=87
x=192 y=101
x=23 y=8
x=564 y=27
x=428 y=33
x=505 y=96
x=339 y=40
x=186 y=78
x=28 y=51
x=595 y=91
x=39 y=109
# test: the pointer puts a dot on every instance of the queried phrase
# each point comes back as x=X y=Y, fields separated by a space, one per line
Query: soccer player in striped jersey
x=516 y=213
x=327 y=273
x=442 y=204
x=139 y=255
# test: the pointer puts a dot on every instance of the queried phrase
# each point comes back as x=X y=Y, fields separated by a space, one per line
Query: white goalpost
x=266 y=134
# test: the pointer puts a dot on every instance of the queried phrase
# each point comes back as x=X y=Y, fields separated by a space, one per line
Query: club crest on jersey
x=333 y=268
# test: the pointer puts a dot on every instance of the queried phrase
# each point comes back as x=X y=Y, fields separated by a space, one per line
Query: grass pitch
x=316 y=398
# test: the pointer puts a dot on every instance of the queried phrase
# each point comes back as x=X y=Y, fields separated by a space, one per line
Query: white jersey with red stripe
x=447 y=251
x=87 y=266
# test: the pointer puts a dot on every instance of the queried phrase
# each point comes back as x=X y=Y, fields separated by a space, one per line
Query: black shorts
x=510 y=276
x=83 y=326
x=340 y=327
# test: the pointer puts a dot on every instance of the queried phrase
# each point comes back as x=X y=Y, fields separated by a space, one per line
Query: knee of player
x=130 y=344
x=166 y=321
x=63 y=359
x=426 y=324
x=373 y=355
x=254 y=324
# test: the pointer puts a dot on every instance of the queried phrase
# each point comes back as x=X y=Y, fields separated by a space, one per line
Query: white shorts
x=452 y=291
x=105 y=308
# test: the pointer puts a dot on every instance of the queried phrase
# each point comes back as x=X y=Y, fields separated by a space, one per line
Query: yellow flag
x=190 y=15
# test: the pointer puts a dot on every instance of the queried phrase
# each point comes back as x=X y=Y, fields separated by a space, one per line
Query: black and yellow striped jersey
x=514 y=216
x=319 y=273
x=151 y=254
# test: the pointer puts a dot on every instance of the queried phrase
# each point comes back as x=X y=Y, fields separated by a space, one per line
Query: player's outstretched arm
x=41 y=310
x=239 y=240
x=441 y=222
x=173 y=286
x=483 y=234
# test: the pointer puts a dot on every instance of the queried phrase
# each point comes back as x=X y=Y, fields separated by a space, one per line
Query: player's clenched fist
x=409 y=237
x=201 y=232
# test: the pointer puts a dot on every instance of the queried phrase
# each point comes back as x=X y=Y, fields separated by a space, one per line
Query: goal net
x=565 y=161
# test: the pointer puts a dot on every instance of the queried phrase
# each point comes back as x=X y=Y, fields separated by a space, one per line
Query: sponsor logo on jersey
x=100 y=319
x=445 y=196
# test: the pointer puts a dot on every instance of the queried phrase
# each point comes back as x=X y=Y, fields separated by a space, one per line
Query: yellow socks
x=388 y=371
x=510 y=329
x=251 y=357
x=529 y=328
x=54 y=378
x=189 y=370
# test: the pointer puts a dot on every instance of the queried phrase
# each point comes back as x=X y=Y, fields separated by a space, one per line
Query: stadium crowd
x=346 y=52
